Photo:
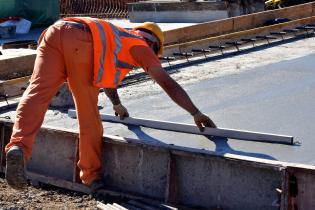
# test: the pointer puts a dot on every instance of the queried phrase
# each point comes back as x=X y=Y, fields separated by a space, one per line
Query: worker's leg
x=79 y=65
x=48 y=75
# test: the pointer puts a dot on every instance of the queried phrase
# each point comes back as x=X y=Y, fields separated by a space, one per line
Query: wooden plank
x=58 y=182
x=171 y=189
x=119 y=206
x=245 y=22
x=292 y=13
x=305 y=181
x=192 y=129
x=101 y=205
x=14 y=87
x=76 y=158
x=9 y=103
x=204 y=43
x=198 y=31
x=16 y=63
x=2 y=145
x=81 y=187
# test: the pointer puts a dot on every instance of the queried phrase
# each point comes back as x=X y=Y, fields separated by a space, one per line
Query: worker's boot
x=15 y=173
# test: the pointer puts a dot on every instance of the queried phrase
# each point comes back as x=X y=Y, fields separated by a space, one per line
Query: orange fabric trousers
x=65 y=52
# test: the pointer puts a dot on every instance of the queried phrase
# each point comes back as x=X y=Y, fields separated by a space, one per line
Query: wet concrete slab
x=277 y=98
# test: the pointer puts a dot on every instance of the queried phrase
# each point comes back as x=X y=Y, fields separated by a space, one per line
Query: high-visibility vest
x=112 y=58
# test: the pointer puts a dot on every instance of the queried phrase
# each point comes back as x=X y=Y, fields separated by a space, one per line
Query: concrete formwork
x=172 y=174
x=236 y=24
x=191 y=178
x=302 y=188
x=55 y=155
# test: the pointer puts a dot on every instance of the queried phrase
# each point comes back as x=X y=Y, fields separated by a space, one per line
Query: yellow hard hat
x=273 y=3
x=156 y=30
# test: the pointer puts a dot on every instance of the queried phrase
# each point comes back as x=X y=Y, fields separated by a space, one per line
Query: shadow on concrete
x=222 y=147
x=142 y=135
x=221 y=144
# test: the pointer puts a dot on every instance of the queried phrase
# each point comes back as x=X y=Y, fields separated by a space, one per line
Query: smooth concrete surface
x=275 y=98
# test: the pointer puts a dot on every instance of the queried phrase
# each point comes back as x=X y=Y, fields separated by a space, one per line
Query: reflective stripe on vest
x=118 y=45
x=103 y=38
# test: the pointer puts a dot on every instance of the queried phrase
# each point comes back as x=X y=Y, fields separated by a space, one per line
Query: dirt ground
x=43 y=197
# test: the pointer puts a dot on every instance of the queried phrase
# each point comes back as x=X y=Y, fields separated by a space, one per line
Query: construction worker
x=90 y=54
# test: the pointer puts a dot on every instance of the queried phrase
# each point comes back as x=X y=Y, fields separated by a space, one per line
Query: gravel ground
x=43 y=197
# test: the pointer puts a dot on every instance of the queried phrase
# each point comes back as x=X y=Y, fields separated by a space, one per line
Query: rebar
x=95 y=8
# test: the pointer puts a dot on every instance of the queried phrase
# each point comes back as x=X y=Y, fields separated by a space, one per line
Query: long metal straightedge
x=192 y=129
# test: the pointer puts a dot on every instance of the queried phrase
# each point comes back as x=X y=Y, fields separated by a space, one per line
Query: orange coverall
x=65 y=52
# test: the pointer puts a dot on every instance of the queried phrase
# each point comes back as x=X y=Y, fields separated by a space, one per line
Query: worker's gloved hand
x=121 y=111
x=202 y=121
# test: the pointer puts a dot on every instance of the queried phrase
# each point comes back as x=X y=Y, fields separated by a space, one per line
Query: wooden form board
x=192 y=129
x=229 y=25
x=14 y=87
x=15 y=63
x=304 y=179
x=204 y=43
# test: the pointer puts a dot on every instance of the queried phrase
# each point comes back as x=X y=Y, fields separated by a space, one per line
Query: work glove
x=121 y=111
x=203 y=121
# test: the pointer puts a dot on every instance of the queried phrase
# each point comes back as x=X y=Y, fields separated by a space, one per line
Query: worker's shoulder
x=142 y=51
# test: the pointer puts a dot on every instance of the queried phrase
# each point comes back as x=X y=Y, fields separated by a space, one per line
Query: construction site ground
x=44 y=197
x=268 y=90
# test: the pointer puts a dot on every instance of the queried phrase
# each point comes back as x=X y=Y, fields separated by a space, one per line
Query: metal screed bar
x=192 y=129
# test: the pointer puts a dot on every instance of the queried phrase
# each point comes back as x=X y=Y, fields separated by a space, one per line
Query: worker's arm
x=119 y=109
x=179 y=96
